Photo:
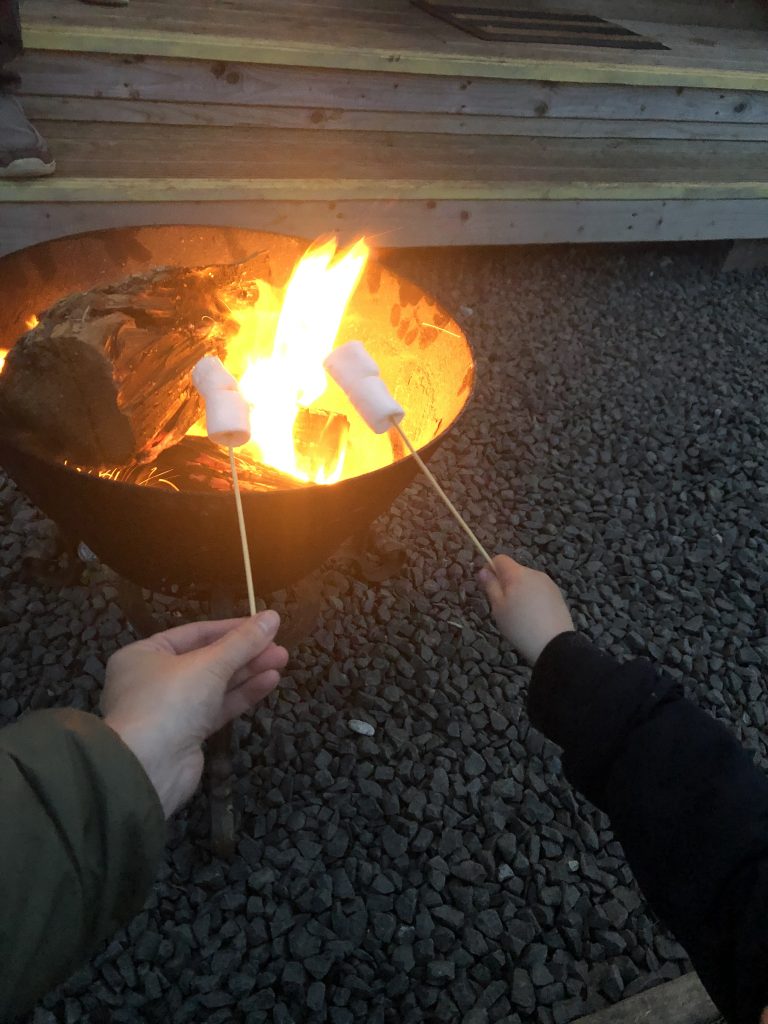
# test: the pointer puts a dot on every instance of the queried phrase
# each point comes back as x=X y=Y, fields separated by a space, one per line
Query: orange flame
x=29 y=323
x=280 y=378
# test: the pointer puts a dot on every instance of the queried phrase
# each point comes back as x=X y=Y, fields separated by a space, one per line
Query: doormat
x=525 y=26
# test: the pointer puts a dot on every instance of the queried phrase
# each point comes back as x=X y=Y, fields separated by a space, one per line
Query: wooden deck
x=305 y=116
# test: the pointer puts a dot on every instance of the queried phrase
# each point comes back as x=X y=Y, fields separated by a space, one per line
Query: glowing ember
x=280 y=382
x=3 y=354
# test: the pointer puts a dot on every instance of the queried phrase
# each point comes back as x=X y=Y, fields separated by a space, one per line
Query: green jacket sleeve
x=81 y=835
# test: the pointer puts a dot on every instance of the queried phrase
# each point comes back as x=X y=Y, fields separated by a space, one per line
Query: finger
x=491 y=584
x=241 y=645
x=192 y=636
x=508 y=571
x=246 y=697
x=274 y=657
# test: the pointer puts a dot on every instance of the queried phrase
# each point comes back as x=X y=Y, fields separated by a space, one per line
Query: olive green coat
x=81 y=834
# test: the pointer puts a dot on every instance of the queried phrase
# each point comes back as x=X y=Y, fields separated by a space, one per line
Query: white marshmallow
x=357 y=375
x=350 y=363
x=371 y=398
x=210 y=374
x=227 y=418
x=227 y=414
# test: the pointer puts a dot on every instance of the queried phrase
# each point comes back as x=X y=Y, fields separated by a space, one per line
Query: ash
x=441 y=868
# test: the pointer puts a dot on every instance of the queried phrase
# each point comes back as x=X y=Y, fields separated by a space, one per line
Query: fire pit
x=157 y=533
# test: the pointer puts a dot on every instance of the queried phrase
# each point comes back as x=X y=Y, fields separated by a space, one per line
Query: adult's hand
x=527 y=605
x=165 y=695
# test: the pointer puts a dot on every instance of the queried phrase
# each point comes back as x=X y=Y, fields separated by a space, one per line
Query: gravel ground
x=442 y=868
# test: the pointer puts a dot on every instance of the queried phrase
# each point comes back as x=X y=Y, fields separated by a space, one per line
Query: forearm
x=685 y=800
x=82 y=834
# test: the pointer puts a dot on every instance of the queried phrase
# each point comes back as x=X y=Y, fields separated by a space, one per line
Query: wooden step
x=396 y=35
x=104 y=162
x=403 y=189
x=307 y=116
x=185 y=91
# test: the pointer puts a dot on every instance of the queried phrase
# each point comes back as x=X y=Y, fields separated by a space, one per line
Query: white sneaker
x=24 y=152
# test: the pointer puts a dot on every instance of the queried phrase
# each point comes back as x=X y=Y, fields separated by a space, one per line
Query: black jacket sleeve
x=81 y=835
x=684 y=798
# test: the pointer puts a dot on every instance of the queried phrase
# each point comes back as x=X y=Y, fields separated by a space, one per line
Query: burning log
x=104 y=378
x=320 y=439
x=196 y=464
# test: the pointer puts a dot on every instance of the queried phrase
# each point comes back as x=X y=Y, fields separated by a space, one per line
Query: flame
x=29 y=323
x=278 y=383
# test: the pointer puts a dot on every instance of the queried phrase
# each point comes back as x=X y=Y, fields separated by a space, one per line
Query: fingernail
x=268 y=620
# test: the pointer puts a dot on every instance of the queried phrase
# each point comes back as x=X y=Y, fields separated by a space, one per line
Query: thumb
x=241 y=645
x=491 y=586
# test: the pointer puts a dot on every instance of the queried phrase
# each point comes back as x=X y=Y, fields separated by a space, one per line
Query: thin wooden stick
x=449 y=504
x=243 y=537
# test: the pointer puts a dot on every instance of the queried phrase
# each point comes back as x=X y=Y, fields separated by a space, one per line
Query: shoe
x=107 y=3
x=24 y=152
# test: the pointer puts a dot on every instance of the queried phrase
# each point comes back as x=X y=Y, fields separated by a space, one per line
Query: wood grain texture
x=409 y=222
x=175 y=190
x=682 y=1001
x=204 y=81
x=141 y=161
x=105 y=111
x=398 y=36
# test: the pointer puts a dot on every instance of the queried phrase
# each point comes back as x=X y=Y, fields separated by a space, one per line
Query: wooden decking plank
x=408 y=44
x=106 y=111
x=182 y=80
x=168 y=190
x=410 y=222
x=682 y=1001
x=724 y=44
x=488 y=165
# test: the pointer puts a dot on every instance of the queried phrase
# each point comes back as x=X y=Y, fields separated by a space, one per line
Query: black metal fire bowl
x=159 y=537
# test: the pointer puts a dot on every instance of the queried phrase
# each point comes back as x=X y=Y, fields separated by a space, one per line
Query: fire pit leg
x=219 y=760
x=135 y=608
x=373 y=556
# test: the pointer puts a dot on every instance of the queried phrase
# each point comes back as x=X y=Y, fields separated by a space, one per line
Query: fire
x=29 y=323
x=280 y=381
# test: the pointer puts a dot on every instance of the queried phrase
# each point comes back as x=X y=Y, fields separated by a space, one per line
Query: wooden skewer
x=243 y=537
x=444 y=497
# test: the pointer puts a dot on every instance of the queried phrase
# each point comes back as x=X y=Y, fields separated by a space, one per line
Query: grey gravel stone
x=361 y=728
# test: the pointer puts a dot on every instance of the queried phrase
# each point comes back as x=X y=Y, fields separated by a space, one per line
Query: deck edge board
x=137 y=42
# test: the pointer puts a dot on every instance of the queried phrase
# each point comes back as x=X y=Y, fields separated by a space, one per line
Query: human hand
x=527 y=605
x=165 y=695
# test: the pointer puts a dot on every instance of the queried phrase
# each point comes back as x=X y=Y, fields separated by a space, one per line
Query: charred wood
x=104 y=378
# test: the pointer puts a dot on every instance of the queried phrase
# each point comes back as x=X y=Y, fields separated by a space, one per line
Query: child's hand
x=527 y=605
